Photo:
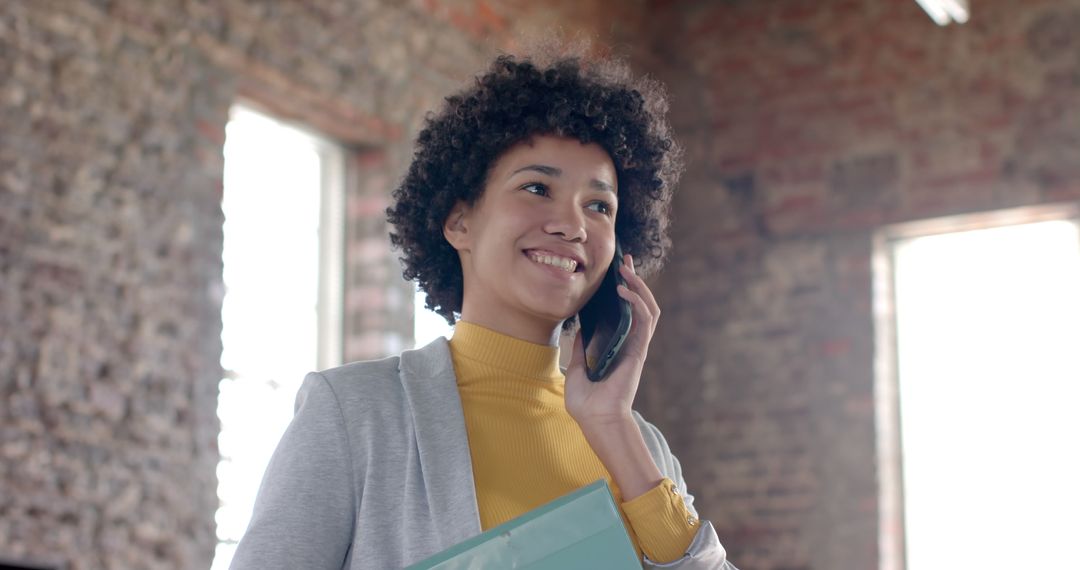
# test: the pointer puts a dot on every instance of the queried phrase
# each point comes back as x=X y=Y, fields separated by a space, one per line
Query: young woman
x=508 y=219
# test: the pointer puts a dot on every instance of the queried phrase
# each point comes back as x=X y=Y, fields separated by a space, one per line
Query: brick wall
x=808 y=125
x=113 y=120
x=110 y=238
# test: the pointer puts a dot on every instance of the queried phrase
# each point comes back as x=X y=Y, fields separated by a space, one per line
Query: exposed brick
x=864 y=180
x=846 y=115
x=807 y=125
x=110 y=233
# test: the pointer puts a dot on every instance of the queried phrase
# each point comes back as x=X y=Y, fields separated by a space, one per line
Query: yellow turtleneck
x=527 y=450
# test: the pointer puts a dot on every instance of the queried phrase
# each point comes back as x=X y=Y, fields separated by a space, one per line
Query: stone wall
x=110 y=238
x=113 y=119
x=808 y=125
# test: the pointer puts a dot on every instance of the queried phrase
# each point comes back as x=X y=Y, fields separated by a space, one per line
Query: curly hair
x=515 y=100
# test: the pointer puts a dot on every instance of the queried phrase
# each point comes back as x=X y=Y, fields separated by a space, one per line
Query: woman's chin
x=554 y=308
x=555 y=317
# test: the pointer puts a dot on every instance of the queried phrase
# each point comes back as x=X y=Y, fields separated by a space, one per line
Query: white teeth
x=564 y=263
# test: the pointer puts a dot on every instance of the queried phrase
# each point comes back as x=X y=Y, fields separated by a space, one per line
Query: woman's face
x=536 y=245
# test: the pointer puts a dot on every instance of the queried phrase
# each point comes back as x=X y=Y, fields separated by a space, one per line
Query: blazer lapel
x=427 y=375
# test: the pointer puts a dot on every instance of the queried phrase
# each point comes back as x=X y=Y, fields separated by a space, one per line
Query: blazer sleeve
x=705 y=551
x=305 y=509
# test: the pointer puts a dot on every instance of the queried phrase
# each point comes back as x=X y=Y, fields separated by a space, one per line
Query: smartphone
x=605 y=322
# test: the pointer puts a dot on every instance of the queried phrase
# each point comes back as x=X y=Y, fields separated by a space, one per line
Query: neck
x=536 y=332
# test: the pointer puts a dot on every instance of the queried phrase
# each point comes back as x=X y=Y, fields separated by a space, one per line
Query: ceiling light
x=944 y=12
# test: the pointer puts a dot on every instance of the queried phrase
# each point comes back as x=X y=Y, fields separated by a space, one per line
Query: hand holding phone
x=605 y=322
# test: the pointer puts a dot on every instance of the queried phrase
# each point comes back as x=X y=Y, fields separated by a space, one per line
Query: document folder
x=582 y=530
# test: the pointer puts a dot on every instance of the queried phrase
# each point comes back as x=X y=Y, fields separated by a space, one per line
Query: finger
x=642 y=327
x=638 y=285
x=637 y=303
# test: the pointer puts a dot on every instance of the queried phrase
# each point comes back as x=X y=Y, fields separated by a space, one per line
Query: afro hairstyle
x=514 y=101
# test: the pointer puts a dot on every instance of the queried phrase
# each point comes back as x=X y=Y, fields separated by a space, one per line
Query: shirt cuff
x=663 y=525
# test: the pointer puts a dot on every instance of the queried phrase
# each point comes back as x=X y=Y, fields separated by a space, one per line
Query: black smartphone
x=605 y=322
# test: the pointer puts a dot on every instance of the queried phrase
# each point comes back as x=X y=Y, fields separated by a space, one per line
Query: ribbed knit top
x=527 y=450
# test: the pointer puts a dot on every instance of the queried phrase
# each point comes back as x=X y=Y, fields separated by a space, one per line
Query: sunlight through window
x=987 y=331
x=427 y=324
x=279 y=265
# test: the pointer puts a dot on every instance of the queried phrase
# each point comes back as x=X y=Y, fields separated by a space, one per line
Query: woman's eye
x=535 y=188
x=602 y=207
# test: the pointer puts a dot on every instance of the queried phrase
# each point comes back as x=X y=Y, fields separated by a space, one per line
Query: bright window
x=987 y=331
x=427 y=324
x=282 y=306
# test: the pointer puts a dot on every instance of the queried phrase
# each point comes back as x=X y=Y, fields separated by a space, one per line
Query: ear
x=456 y=226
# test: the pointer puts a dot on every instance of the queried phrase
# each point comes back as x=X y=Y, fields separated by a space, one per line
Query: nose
x=568 y=222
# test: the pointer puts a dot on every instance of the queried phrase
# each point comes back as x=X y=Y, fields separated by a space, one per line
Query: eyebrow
x=554 y=172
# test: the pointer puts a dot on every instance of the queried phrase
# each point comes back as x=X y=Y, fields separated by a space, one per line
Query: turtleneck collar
x=506 y=353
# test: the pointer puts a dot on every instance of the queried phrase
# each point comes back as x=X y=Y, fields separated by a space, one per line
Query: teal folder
x=582 y=530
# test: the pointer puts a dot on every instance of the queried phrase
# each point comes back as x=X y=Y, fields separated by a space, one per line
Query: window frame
x=330 y=307
x=891 y=521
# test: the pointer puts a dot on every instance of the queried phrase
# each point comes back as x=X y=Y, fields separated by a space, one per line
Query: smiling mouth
x=557 y=261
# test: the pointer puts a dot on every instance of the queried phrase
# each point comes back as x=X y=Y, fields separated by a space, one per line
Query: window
x=427 y=324
x=978 y=387
x=281 y=316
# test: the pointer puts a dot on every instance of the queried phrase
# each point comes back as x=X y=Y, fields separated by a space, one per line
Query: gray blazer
x=374 y=472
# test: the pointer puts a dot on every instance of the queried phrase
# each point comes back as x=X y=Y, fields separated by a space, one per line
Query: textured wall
x=110 y=237
x=112 y=120
x=808 y=125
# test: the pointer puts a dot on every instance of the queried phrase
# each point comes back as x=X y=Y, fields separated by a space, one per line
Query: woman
x=508 y=219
